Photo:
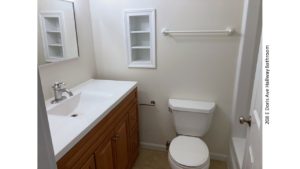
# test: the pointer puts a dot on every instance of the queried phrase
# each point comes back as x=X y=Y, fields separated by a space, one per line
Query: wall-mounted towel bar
x=228 y=31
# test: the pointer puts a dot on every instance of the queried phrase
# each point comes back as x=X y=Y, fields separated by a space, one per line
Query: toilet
x=192 y=120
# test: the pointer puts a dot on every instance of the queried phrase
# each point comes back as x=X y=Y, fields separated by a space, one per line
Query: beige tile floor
x=152 y=159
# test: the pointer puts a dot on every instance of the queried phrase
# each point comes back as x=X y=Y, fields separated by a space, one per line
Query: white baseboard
x=232 y=161
x=160 y=147
x=218 y=156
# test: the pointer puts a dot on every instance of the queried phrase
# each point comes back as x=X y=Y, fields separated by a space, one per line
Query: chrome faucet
x=59 y=89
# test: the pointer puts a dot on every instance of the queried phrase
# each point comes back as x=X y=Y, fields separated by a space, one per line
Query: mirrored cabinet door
x=57 y=34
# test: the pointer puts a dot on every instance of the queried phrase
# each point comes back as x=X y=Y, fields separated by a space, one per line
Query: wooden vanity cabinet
x=104 y=157
x=113 y=154
x=121 y=147
x=133 y=134
x=112 y=144
x=90 y=164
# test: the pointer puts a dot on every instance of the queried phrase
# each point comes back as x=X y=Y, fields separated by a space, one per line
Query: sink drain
x=74 y=115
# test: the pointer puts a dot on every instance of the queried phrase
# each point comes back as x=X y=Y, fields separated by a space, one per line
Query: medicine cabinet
x=140 y=38
x=52 y=35
x=57 y=32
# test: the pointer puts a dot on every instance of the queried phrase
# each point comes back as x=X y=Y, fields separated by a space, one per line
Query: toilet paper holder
x=152 y=103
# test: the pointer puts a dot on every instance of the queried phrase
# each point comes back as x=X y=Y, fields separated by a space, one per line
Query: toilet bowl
x=192 y=120
x=186 y=152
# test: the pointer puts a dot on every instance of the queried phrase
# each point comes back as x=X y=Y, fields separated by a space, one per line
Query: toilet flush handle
x=244 y=120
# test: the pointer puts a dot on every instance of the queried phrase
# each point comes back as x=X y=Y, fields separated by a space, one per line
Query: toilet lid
x=189 y=151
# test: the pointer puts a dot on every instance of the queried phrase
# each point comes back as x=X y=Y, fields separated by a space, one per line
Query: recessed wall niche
x=140 y=38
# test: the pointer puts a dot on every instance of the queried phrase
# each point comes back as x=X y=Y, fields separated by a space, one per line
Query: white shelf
x=55 y=44
x=140 y=47
x=139 y=31
x=55 y=51
x=140 y=38
x=53 y=31
x=141 y=55
x=139 y=22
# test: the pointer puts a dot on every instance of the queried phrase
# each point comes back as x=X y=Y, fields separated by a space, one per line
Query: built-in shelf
x=139 y=31
x=140 y=47
x=55 y=44
x=55 y=51
x=140 y=38
x=53 y=31
x=52 y=34
x=140 y=55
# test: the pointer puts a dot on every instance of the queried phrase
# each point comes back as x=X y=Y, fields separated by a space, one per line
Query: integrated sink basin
x=79 y=104
x=72 y=118
x=67 y=107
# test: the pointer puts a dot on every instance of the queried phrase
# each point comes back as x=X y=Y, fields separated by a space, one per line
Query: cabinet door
x=90 y=164
x=133 y=146
x=121 y=147
x=133 y=134
x=104 y=156
x=133 y=117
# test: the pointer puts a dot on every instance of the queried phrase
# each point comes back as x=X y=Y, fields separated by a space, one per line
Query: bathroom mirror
x=57 y=34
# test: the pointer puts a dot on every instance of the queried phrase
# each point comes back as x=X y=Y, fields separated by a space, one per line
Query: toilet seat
x=175 y=165
x=189 y=152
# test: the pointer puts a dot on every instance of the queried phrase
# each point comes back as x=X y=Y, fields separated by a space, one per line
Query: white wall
x=74 y=71
x=46 y=159
x=201 y=68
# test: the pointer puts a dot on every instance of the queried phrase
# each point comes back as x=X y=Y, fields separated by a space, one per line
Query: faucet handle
x=58 y=85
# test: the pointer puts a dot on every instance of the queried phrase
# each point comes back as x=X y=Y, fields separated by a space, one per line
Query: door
x=121 y=146
x=90 y=164
x=253 y=152
x=104 y=156
x=133 y=134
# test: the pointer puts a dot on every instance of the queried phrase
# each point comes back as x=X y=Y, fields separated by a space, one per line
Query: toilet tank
x=191 y=117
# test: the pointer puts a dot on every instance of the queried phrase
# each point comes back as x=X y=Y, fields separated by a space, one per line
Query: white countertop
x=66 y=131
